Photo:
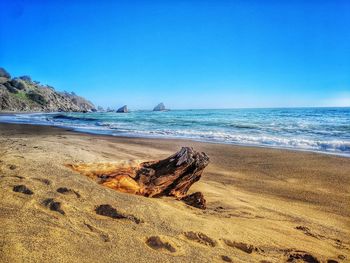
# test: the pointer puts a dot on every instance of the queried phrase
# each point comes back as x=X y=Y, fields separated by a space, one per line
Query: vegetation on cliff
x=23 y=94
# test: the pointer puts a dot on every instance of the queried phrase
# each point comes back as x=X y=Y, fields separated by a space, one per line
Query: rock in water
x=123 y=109
x=159 y=107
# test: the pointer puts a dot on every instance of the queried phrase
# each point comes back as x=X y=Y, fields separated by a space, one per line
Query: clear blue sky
x=188 y=54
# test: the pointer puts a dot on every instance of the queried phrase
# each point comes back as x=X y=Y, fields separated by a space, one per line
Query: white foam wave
x=302 y=141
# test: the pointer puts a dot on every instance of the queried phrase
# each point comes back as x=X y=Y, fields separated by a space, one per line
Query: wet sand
x=264 y=205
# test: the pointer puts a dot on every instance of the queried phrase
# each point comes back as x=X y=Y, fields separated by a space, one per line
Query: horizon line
x=243 y=108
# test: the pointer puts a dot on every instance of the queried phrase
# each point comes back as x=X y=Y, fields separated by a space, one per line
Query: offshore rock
x=159 y=107
x=123 y=109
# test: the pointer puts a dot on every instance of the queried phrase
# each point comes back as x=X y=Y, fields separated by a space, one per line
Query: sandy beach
x=263 y=205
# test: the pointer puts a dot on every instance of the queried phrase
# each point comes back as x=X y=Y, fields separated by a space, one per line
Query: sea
x=325 y=130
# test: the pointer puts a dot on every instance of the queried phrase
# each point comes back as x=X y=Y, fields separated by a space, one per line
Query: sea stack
x=100 y=109
x=123 y=109
x=159 y=107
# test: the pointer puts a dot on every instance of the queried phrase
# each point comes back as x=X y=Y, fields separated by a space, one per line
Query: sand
x=264 y=205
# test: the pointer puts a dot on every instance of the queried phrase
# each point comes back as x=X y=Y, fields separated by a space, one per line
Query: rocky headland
x=22 y=94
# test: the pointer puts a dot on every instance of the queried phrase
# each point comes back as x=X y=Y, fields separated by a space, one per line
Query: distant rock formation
x=100 y=109
x=159 y=107
x=24 y=95
x=123 y=109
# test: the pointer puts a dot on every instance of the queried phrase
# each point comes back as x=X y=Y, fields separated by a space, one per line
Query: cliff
x=24 y=94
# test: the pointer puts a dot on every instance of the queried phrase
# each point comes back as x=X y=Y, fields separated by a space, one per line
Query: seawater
x=324 y=130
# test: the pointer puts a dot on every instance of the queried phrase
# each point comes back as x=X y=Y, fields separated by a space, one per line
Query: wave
x=327 y=135
x=243 y=126
x=73 y=118
x=341 y=146
x=333 y=146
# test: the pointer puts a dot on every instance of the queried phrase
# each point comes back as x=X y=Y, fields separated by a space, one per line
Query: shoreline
x=287 y=157
x=280 y=202
x=82 y=131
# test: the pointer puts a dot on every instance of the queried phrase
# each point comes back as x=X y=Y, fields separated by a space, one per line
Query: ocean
x=325 y=130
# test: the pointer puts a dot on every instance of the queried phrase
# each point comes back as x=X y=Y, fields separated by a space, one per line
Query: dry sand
x=264 y=205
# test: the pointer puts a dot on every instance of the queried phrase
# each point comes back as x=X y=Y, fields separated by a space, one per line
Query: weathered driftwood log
x=172 y=176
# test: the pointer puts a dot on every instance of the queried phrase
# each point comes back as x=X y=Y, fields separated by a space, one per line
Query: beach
x=263 y=205
x=324 y=130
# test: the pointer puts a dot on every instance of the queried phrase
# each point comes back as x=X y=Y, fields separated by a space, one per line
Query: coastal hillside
x=22 y=94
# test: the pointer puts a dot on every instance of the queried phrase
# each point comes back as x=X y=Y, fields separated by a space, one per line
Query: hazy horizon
x=237 y=108
x=188 y=54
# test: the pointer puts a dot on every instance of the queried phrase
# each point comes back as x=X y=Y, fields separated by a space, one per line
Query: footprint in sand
x=200 y=238
x=219 y=209
x=338 y=243
x=241 y=246
x=156 y=243
x=342 y=257
x=109 y=211
x=65 y=190
x=13 y=176
x=297 y=256
x=12 y=167
x=44 y=181
x=22 y=189
x=226 y=259
x=307 y=231
x=53 y=205
x=103 y=236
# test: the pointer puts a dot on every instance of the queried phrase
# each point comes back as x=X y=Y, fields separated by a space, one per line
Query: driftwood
x=172 y=176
